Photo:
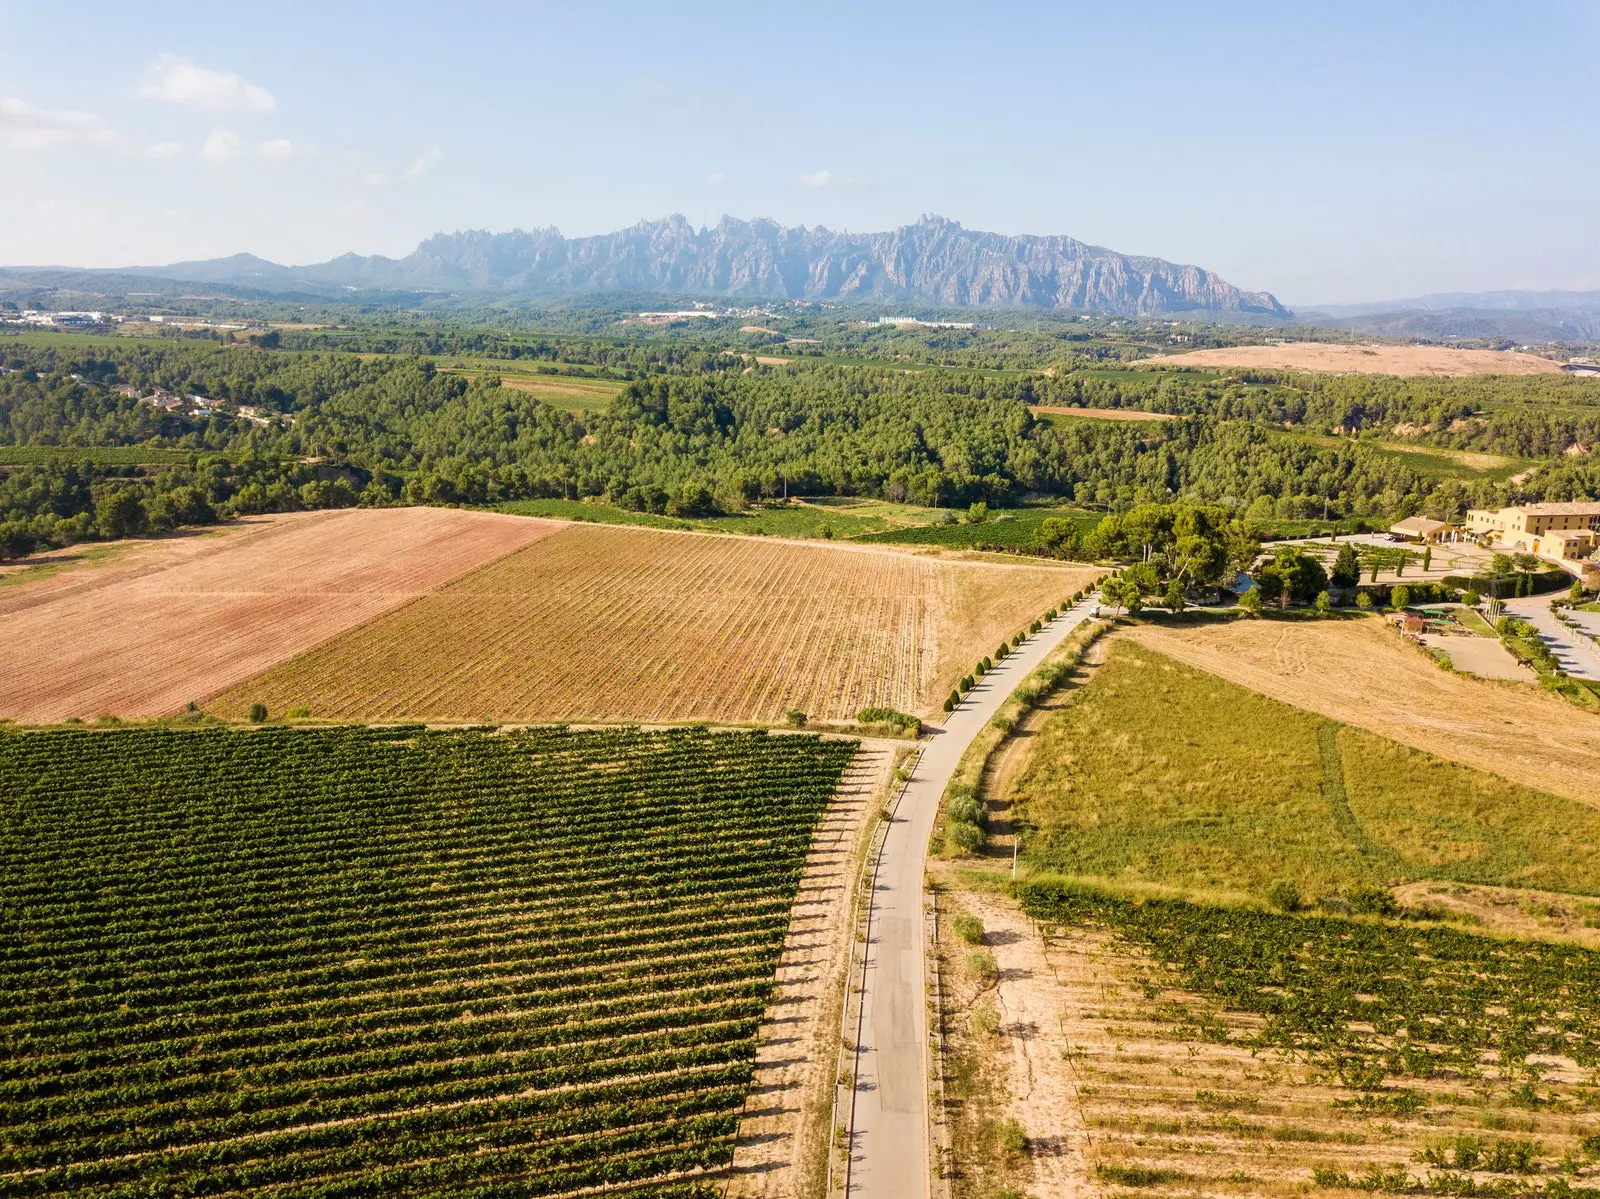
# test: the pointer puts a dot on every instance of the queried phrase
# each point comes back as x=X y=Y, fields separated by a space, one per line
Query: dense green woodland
x=697 y=430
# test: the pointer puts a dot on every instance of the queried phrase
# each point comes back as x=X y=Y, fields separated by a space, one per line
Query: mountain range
x=934 y=261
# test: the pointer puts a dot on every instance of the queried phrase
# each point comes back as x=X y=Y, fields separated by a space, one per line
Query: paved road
x=890 y=1150
x=1578 y=656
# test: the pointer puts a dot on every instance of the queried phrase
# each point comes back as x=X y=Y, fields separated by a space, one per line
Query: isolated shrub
x=298 y=713
x=1364 y=601
x=1135 y=1176
x=967 y=810
x=985 y=1019
x=988 y=664
x=1003 y=722
x=892 y=716
x=1371 y=900
x=1012 y=1139
x=980 y=963
x=1284 y=895
x=258 y=712
x=965 y=836
x=968 y=928
x=795 y=717
x=1324 y=602
x=1327 y=1176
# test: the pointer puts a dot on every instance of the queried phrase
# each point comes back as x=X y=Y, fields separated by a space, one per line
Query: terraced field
x=609 y=622
x=353 y=962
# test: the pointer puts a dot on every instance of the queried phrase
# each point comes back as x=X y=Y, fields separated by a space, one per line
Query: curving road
x=1578 y=656
x=889 y=1148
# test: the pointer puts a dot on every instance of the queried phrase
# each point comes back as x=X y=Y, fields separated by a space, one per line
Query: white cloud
x=424 y=163
x=173 y=79
x=279 y=149
x=818 y=179
x=222 y=145
x=376 y=179
x=716 y=179
x=27 y=128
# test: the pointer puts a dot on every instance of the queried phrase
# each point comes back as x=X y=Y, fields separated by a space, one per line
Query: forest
x=700 y=429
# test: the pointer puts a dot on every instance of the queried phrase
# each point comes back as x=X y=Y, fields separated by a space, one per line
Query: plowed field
x=183 y=619
x=1367 y=360
x=638 y=624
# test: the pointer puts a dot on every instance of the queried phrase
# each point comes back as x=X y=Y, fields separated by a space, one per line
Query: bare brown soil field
x=1366 y=360
x=182 y=618
x=1098 y=413
x=1360 y=672
x=613 y=622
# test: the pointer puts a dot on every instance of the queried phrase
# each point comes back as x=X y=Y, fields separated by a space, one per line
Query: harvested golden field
x=180 y=619
x=1360 y=672
x=1097 y=413
x=1366 y=360
x=613 y=622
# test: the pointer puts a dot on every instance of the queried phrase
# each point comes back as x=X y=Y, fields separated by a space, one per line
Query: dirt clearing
x=1098 y=413
x=1366 y=360
x=612 y=622
x=1359 y=672
x=180 y=619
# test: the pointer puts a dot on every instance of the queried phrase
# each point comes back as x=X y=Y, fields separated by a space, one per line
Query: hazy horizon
x=1353 y=156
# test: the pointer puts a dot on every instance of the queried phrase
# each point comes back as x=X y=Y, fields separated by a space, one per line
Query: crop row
x=361 y=962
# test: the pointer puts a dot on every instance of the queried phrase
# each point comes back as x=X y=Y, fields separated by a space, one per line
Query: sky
x=1330 y=152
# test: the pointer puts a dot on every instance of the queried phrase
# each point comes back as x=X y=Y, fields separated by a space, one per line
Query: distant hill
x=934 y=261
x=1471 y=301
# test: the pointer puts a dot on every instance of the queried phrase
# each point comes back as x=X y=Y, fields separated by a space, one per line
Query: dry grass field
x=179 y=619
x=1359 y=672
x=1366 y=360
x=611 y=622
x=1097 y=413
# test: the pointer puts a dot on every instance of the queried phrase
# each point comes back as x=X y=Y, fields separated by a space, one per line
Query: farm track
x=610 y=622
x=183 y=619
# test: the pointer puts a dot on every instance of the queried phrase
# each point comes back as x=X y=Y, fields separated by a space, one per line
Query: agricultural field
x=1007 y=530
x=349 y=961
x=1046 y=412
x=608 y=622
x=1431 y=462
x=1214 y=1050
x=1372 y=359
x=1158 y=772
x=175 y=620
x=1361 y=673
x=113 y=455
x=572 y=393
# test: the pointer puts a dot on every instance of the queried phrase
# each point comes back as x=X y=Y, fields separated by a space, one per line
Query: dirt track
x=181 y=619
x=1366 y=360
x=1360 y=672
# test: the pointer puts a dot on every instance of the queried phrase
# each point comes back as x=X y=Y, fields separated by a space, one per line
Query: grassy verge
x=1040 y=682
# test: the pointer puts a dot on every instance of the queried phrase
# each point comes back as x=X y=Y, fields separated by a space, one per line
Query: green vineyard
x=1369 y=1002
x=362 y=962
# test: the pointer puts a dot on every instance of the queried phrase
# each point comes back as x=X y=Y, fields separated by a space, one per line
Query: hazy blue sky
x=1339 y=151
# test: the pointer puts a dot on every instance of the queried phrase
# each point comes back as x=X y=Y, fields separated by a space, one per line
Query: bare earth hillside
x=1367 y=360
x=1359 y=672
x=178 y=620
x=609 y=622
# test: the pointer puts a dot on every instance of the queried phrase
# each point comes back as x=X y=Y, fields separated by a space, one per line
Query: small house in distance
x=1419 y=528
